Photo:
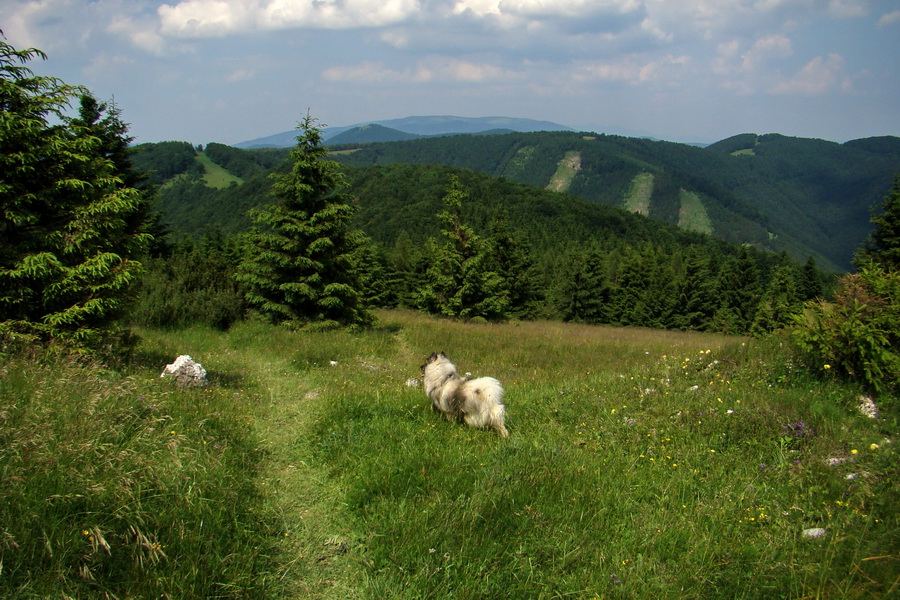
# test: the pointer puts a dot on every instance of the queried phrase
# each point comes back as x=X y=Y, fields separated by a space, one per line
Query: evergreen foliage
x=582 y=294
x=194 y=285
x=883 y=246
x=72 y=223
x=298 y=267
x=460 y=281
x=858 y=335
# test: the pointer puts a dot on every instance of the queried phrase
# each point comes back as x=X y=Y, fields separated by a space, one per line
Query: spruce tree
x=71 y=242
x=460 y=281
x=739 y=292
x=696 y=298
x=780 y=301
x=883 y=245
x=511 y=259
x=299 y=258
x=582 y=295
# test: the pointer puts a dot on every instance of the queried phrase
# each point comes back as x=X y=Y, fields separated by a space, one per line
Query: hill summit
x=391 y=130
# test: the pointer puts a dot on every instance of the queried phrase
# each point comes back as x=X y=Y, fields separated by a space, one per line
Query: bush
x=858 y=335
x=195 y=286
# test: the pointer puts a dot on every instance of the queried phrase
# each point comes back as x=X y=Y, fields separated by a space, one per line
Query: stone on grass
x=868 y=407
x=186 y=372
x=815 y=532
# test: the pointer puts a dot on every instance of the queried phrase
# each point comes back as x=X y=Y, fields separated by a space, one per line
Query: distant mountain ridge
x=408 y=128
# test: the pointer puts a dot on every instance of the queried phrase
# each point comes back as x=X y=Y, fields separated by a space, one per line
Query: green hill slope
x=806 y=197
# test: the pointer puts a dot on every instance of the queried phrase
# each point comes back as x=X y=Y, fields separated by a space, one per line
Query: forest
x=560 y=255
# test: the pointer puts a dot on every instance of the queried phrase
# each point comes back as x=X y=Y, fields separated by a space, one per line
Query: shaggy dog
x=476 y=402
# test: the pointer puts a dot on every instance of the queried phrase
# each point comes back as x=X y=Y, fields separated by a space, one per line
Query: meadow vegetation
x=641 y=464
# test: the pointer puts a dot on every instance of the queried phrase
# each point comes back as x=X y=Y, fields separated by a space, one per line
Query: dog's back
x=477 y=402
x=483 y=404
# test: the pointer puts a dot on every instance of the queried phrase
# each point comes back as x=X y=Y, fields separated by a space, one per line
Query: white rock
x=186 y=372
x=815 y=532
x=867 y=407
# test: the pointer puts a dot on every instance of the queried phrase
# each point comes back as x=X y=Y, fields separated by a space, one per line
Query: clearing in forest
x=637 y=200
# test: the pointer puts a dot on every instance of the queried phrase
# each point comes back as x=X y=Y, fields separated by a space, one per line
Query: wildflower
x=826 y=366
x=874 y=447
x=854 y=451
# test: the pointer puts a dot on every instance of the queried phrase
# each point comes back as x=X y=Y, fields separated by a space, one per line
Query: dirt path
x=314 y=537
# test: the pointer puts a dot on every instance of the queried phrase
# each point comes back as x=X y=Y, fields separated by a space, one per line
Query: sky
x=682 y=70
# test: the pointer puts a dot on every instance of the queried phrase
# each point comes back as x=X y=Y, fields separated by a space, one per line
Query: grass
x=641 y=464
x=692 y=215
x=638 y=197
x=216 y=176
x=566 y=170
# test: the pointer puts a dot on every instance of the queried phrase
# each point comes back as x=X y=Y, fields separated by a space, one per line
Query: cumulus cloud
x=816 y=77
x=206 y=18
x=891 y=18
x=633 y=70
x=435 y=69
x=846 y=9
x=140 y=32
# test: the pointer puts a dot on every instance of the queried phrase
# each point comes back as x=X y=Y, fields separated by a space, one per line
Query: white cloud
x=847 y=9
x=206 y=18
x=891 y=18
x=435 y=69
x=816 y=77
x=764 y=49
x=141 y=33
x=240 y=75
x=545 y=8
x=634 y=71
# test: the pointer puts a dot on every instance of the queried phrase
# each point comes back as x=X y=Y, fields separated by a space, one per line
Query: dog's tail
x=491 y=408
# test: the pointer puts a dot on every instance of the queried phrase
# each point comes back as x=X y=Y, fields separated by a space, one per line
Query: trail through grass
x=641 y=464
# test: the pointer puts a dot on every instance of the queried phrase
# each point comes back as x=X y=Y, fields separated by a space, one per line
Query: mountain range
x=392 y=130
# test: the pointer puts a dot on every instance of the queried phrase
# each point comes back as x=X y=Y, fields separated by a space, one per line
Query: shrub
x=859 y=333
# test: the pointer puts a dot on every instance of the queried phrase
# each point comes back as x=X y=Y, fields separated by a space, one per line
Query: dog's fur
x=476 y=402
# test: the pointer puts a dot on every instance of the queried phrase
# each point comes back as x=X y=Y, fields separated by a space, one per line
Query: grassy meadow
x=640 y=464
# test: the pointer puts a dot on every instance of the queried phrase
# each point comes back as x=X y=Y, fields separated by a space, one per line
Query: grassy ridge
x=641 y=464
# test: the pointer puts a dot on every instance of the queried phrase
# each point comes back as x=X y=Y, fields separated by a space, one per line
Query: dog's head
x=434 y=356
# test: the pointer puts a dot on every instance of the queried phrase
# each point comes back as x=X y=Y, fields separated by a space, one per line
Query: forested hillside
x=562 y=256
x=806 y=197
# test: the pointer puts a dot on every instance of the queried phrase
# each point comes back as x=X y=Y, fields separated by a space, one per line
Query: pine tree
x=582 y=295
x=70 y=250
x=739 y=292
x=883 y=246
x=809 y=285
x=510 y=257
x=781 y=300
x=459 y=281
x=299 y=257
x=696 y=297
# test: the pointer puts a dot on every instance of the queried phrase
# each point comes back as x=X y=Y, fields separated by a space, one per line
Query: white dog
x=476 y=402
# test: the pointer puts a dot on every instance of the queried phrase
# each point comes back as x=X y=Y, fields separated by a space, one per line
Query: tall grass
x=119 y=487
x=641 y=464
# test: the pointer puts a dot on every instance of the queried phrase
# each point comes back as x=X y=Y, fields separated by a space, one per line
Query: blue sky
x=682 y=70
